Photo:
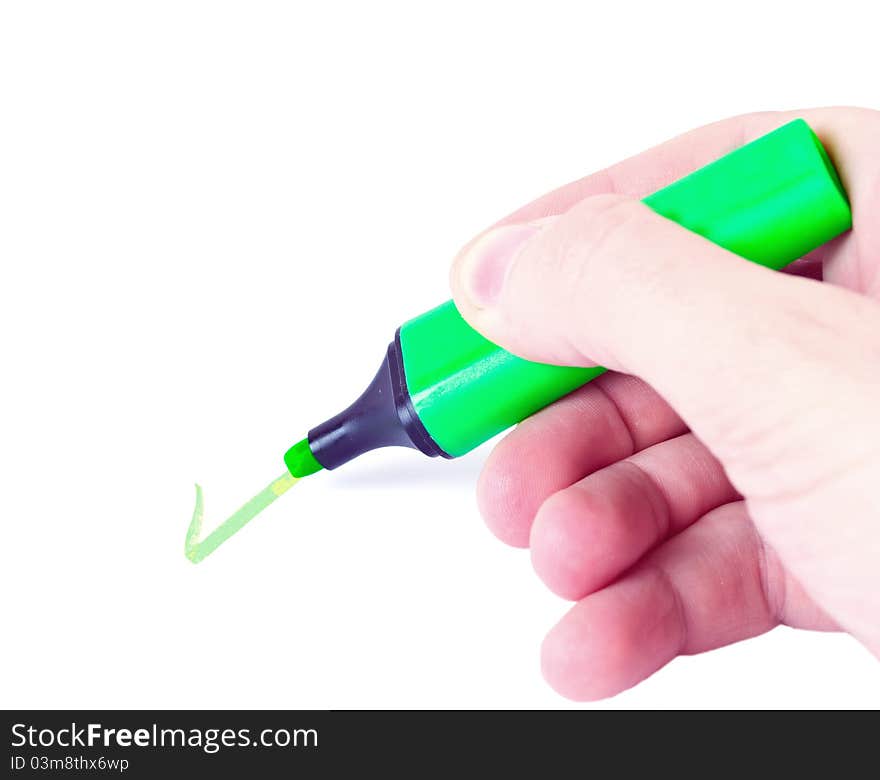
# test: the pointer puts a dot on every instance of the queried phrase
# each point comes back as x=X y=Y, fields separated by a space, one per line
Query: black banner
x=156 y=744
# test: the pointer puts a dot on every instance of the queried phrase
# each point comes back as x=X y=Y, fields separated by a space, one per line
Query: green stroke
x=197 y=550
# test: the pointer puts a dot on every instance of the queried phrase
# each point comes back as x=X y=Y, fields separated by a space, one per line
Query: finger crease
x=621 y=416
x=659 y=499
x=774 y=595
x=678 y=605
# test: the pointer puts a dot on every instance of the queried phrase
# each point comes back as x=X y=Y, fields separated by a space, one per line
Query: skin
x=724 y=480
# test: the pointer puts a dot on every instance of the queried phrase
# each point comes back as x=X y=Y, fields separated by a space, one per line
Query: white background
x=212 y=218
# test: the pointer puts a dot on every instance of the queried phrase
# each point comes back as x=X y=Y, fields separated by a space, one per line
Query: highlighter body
x=445 y=389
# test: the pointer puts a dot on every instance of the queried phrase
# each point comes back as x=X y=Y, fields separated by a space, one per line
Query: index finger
x=849 y=135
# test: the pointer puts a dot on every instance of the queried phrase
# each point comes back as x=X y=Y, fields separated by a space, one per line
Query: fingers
x=711 y=585
x=777 y=374
x=605 y=421
x=585 y=536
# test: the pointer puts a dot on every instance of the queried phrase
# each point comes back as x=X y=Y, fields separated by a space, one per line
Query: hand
x=728 y=479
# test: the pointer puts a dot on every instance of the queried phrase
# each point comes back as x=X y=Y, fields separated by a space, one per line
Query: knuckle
x=580 y=262
x=598 y=240
x=607 y=223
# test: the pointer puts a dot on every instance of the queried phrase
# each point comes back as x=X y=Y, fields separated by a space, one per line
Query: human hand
x=735 y=484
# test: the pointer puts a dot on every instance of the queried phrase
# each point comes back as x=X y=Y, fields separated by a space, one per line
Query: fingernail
x=484 y=265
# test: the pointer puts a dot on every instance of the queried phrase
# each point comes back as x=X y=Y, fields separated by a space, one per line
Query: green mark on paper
x=197 y=550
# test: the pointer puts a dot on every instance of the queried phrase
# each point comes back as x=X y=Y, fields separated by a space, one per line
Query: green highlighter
x=444 y=389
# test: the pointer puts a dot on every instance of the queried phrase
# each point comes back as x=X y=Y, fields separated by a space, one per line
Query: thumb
x=746 y=355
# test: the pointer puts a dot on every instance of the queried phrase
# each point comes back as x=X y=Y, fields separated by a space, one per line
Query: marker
x=444 y=389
